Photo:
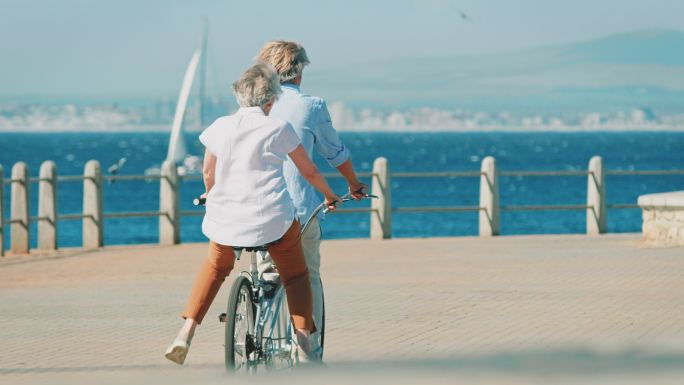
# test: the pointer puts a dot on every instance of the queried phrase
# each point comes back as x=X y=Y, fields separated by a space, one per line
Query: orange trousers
x=288 y=256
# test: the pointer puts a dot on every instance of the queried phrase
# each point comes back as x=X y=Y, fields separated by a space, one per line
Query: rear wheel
x=240 y=340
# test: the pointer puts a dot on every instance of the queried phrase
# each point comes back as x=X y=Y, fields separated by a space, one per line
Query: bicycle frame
x=269 y=343
x=272 y=338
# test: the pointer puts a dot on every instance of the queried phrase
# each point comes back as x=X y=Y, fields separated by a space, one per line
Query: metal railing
x=380 y=211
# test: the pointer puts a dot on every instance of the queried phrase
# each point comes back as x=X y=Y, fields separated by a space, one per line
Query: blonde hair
x=287 y=57
x=257 y=86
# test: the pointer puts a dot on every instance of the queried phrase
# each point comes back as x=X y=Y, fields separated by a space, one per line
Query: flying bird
x=114 y=169
x=464 y=16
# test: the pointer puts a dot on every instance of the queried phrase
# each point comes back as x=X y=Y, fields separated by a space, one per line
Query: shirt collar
x=290 y=86
x=250 y=110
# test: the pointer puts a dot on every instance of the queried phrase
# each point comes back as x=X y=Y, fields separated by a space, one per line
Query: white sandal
x=178 y=351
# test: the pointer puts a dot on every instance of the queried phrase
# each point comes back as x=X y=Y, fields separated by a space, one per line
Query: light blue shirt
x=311 y=121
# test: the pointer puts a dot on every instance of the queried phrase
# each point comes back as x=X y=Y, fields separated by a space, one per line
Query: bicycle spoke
x=240 y=349
x=241 y=331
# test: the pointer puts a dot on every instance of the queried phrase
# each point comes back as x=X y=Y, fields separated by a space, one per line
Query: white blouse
x=248 y=204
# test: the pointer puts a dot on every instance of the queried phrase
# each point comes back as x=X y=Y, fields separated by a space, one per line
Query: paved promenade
x=527 y=309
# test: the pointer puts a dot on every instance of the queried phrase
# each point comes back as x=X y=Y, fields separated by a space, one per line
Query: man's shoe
x=307 y=352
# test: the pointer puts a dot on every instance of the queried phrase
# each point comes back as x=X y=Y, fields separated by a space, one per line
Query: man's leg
x=265 y=268
x=311 y=242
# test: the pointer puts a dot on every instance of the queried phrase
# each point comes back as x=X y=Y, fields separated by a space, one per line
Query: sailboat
x=177 y=153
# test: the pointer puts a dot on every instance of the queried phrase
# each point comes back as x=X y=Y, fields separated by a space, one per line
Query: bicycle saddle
x=251 y=248
x=256 y=248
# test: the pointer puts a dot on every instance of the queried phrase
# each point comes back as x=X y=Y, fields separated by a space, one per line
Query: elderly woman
x=248 y=204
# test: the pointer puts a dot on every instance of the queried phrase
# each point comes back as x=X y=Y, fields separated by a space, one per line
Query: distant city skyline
x=127 y=48
x=157 y=115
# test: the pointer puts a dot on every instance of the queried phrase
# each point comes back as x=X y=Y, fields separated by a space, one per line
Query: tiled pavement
x=528 y=309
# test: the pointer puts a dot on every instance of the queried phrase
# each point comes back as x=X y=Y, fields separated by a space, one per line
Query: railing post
x=20 y=209
x=93 y=222
x=596 y=198
x=169 y=220
x=489 y=198
x=2 y=212
x=47 y=206
x=381 y=214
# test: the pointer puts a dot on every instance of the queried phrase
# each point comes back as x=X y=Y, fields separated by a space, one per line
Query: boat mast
x=203 y=71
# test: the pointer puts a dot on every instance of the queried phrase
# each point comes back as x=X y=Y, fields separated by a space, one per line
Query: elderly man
x=311 y=121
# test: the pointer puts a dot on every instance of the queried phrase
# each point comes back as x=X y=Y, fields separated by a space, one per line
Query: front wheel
x=240 y=341
x=322 y=323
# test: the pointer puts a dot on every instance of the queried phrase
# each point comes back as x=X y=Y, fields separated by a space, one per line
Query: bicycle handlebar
x=323 y=206
x=346 y=198
x=201 y=201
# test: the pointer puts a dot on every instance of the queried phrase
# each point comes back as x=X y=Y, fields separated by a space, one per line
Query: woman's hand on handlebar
x=201 y=200
x=331 y=201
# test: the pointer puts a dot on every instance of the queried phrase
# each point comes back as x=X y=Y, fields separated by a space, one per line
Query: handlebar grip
x=334 y=204
x=199 y=201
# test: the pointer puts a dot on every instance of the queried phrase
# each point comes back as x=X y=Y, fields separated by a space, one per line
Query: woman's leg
x=214 y=270
x=289 y=258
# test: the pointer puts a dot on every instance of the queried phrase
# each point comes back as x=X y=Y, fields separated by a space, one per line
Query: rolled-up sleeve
x=284 y=141
x=214 y=137
x=327 y=142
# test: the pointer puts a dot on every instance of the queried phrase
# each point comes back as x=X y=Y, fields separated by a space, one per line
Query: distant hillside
x=658 y=47
x=619 y=71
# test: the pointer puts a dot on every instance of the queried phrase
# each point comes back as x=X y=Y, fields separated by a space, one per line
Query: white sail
x=177 y=151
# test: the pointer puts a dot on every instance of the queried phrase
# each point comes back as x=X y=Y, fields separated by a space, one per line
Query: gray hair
x=287 y=57
x=257 y=86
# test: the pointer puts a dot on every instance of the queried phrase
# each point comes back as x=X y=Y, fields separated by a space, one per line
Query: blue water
x=405 y=152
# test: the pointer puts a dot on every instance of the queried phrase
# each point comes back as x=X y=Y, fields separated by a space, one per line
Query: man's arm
x=356 y=188
x=329 y=146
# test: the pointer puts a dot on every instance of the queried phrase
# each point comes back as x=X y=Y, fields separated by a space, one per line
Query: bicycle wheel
x=239 y=340
x=278 y=343
x=322 y=322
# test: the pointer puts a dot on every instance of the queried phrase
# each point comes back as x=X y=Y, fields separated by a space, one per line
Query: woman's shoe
x=178 y=351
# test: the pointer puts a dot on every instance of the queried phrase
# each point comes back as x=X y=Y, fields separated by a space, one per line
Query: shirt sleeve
x=284 y=141
x=327 y=142
x=214 y=137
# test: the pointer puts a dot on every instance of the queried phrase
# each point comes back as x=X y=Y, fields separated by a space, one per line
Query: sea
x=405 y=151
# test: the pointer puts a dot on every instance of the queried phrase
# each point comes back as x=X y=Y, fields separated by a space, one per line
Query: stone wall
x=663 y=218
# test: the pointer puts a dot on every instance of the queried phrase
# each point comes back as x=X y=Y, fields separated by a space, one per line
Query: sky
x=140 y=48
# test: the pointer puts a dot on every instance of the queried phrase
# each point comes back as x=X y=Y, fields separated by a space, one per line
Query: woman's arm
x=208 y=171
x=310 y=172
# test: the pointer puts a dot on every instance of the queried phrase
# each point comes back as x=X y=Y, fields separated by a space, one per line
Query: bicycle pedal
x=223 y=317
x=269 y=289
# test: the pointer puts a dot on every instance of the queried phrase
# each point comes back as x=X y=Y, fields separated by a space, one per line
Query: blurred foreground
x=524 y=309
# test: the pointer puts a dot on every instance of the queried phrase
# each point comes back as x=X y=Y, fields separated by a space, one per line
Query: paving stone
x=499 y=310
